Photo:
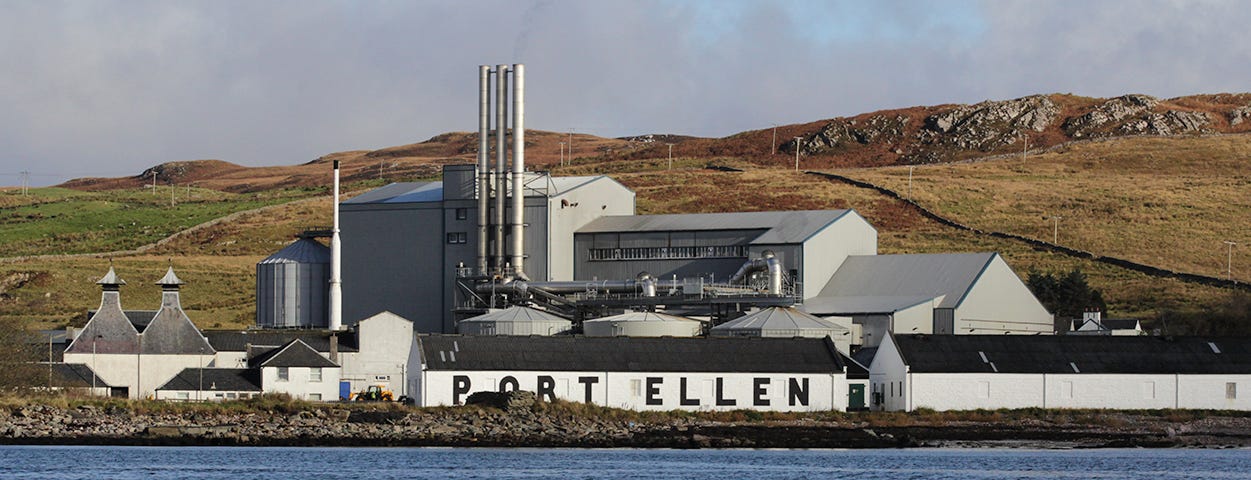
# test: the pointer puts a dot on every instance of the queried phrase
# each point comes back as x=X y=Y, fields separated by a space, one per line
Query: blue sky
x=108 y=88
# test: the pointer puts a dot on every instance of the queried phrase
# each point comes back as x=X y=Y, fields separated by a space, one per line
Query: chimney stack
x=336 y=290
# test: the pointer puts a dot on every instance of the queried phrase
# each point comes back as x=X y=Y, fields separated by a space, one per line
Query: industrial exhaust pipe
x=519 y=165
x=768 y=262
x=484 y=165
x=501 y=161
x=336 y=290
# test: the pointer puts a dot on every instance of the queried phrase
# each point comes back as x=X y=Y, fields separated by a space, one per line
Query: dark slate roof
x=778 y=227
x=172 y=333
x=304 y=250
x=864 y=356
x=239 y=340
x=1061 y=353
x=223 y=379
x=631 y=354
x=138 y=318
x=74 y=375
x=108 y=331
x=293 y=354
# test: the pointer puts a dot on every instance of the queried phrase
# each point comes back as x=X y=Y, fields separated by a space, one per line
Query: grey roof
x=304 y=250
x=108 y=331
x=517 y=314
x=139 y=319
x=641 y=317
x=778 y=322
x=170 y=279
x=779 y=227
x=111 y=278
x=75 y=375
x=294 y=354
x=1110 y=324
x=864 y=356
x=172 y=333
x=630 y=354
x=221 y=379
x=1075 y=354
x=240 y=340
x=887 y=283
x=420 y=192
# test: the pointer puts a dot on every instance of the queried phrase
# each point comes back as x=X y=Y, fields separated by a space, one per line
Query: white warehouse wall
x=826 y=250
x=298 y=383
x=653 y=391
x=1000 y=302
x=386 y=339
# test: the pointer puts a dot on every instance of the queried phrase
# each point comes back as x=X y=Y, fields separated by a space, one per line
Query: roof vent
x=984 y=359
x=442 y=358
x=993 y=367
x=1074 y=365
x=1215 y=349
x=452 y=355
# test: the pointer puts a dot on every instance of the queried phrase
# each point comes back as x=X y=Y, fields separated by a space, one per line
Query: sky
x=110 y=88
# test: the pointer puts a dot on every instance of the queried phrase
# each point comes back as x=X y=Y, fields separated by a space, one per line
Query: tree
x=1066 y=296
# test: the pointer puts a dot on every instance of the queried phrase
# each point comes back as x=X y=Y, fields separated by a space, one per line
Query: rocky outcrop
x=1135 y=115
x=1239 y=115
x=989 y=125
x=847 y=132
x=542 y=425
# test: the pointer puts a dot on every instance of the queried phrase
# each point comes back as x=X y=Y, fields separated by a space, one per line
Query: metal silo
x=514 y=321
x=293 y=285
x=642 y=324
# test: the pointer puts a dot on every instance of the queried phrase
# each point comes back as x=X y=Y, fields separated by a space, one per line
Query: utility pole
x=670 y=155
x=154 y=182
x=1055 y=231
x=1229 y=261
x=797 y=140
x=571 y=146
x=562 y=154
x=910 y=167
x=774 y=148
x=1024 y=147
x=25 y=182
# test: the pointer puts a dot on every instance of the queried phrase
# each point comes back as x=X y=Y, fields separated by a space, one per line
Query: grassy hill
x=1129 y=192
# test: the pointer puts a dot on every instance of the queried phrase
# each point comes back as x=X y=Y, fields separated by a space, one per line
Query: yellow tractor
x=373 y=393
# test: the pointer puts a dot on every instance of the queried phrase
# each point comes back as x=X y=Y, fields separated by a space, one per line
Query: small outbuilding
x=516 y=320
x=642 y=324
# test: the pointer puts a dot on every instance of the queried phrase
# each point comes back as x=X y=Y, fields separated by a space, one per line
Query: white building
x=294 y=369
x=966 y=372
x=958 y=293
x=136 y=359
x=797 y=374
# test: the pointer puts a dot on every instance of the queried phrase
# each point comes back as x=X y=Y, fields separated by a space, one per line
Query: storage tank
x=293 y=286
x=642 y=324
x=784 y=322
x=514 y=321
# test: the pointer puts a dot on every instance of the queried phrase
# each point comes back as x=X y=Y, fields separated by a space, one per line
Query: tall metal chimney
x=336 y=291
x=484 y=163
x=501 y=160
x=519 y=165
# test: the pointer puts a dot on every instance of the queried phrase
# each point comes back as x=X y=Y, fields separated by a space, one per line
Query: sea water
x=102 y=462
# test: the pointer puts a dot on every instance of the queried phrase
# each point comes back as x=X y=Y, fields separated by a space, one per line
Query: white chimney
x=336 y=291
x=519 y=165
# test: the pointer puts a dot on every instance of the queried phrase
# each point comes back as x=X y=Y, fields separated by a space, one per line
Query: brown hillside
x=908 y=136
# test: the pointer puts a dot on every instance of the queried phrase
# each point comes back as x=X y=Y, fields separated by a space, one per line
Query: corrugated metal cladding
x=292 y=286
x=642 y=324
x=514 y=321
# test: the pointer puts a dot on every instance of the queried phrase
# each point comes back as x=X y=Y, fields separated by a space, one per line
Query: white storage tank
x=514 y=321
x=642 y=324
x=293 y=287
x=784 y=322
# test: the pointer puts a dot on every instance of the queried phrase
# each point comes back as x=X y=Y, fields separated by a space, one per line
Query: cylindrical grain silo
x=642 y=324
x=514 y=321
x=293 y=287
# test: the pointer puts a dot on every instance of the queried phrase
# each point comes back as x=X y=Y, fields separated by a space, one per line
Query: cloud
x=112 y=87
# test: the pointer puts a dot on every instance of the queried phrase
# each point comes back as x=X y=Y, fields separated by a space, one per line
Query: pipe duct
x=484 y=165
x=519 y=163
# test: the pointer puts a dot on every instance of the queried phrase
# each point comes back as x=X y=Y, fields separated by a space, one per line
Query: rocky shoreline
x=539 y=427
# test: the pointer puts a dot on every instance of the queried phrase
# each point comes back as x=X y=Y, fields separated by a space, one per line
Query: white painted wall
x=652 y=391
x=887 y=367
x=603 y=196
x=298 y=384
x=208 y=396
x=140 y=374
x=1000 y=302
x=915 y=319
x=1209 y=391
x=826 y=250
x=971 y=391
x=386 y=339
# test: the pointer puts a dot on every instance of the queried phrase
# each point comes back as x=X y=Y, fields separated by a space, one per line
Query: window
x=462 y=213
x=456 y=238
x=314 y=375
x=314 y=397
x=983 y=389
x=283 y=374
x=231 y=396
x=183 y=396
x=1231 y=390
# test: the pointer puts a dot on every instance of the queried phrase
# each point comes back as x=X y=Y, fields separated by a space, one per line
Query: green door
x=855 y=399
